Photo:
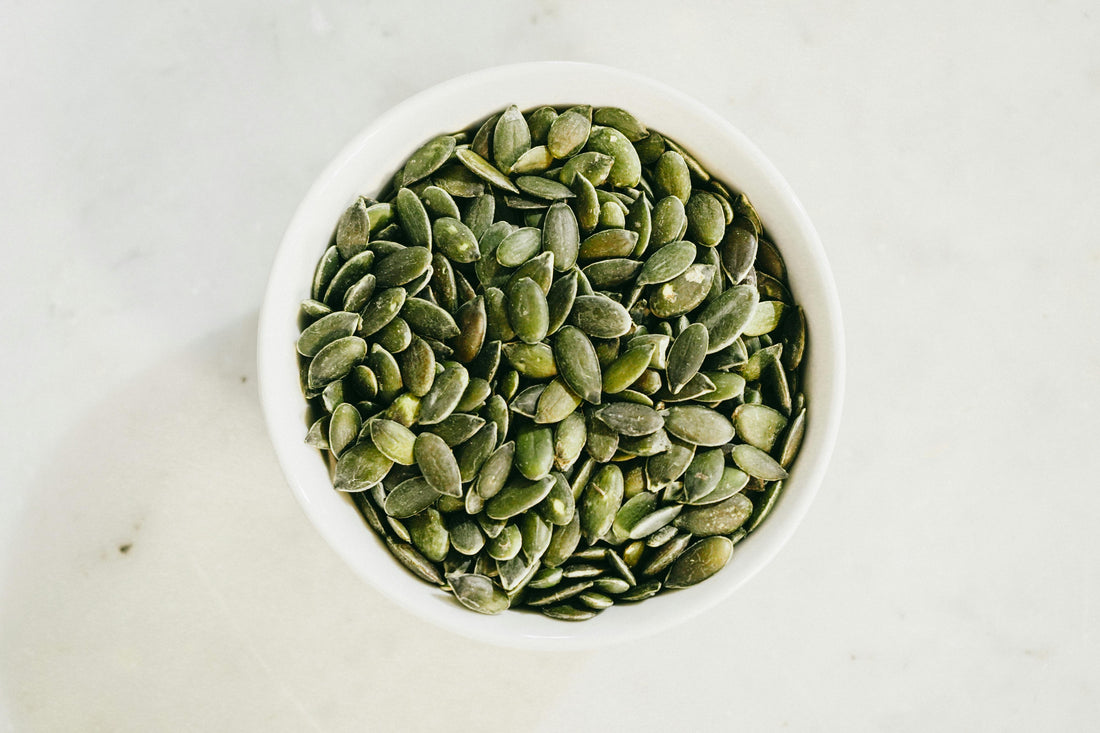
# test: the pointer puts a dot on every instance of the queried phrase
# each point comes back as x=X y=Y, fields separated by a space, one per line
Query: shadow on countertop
x=164 y=578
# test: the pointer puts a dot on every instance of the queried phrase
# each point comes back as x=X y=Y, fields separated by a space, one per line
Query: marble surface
x=157 y=575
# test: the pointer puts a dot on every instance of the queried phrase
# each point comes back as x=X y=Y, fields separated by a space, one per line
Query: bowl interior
x=365 y=165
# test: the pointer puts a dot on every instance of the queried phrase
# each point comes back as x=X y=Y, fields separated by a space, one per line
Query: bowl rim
x=827 y=341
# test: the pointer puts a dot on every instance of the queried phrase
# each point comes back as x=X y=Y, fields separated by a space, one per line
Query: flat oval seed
x=528 y=313
x=393 y=440
x=613 y=273
x=587 y=204
x=556 y=402
x=439 y=203
x=546 y=577
x=654 y=521
x=559 y=301
x=715 y=519
x=437 y=464
x=360 y=467
x=349 y=273
x=683 y=293
x=559 y=505
x=445 y=394
x=568 y=134
x=544 y=188
x=669 y=220
x=622 y=121
x=699 y=562
x=626 y=369
x=413 y=218
x=667 y=263
x=603 y=441
x=480 y=215
x=418 y=367
x=599 y=502
x=704 y=473
x=516 y=498
x=455 y=240
x=535 y=160
x=686 y=356
x=334 y=361
x=382 y=309
x=413 y=561
x=402 y=267
x=472 y=321
x=479 y=593
x=699 y=425
x=344 y=427
x=758 y=425
x=593 y=166
x=327 y=267
x=626 y=171
x=757 y=463
x=429 y=534
x=395 y=336
x=539 y=268
x=481 y=168
x=630 y=419
x=325 y=330
x=475 y=451
x=466 y=537
x=359 y=294
x=706 y=219
x=534 y=451
x=608 y=243
x=519 y=246
x=531 y=360
x=639 y=219
x=666 y=554
x=429 y=320
x=570 y=436
x=511 y=138
x=353 y=230
x=428 y=158
x=561 y=236
x=672 y=177
x=765 y=318
x=563 y=541
x=577 y=363
x=793 y=439
x=738 y=252
x=600 y=317
x=494 y=472
x=632 y=510
x=565 y=612
x=505 y=545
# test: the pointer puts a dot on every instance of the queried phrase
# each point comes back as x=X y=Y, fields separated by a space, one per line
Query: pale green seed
x=626 y=171
x=344 y=428
x=360 y=467
x=534 y=451
x=481 y=168
x=429 y=534
x=535 y=160
x=686 y=355
x=511 y=138
x=437 y=464
x=699 y=562
x=587 y=204
x=439 y=203
x=622 y=121
x=570 y=436
x=428 y=159
x=683 y=293
x=706 y=219
x=568 y=134
x=494 y=472
x=544 y=188
x=765 y=318
x=505 y=545
x=578 y=364
x=556 y=403
x=325 y=330
x=528 y=313
x=479 y=216
x=479 y=593
x=758 y=425
x=413 y=561
x=517 y=497
x=672 y=177
x=413 y=217
x=630 y=419
x=669 y=219
x=455 y=240
x=699 y=425
x=531 y=360
x=593 y=166
x=519 y=246
x=561 y=236
x=418 y=367
x=667 y=263
x=715 y=519
x=704 y=473
x=757 y=463
x=393 y=440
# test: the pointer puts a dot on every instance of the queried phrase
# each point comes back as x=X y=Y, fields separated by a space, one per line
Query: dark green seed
x=360 y=467
x=455 y=240
x=706 y=220
x=715 y=519
x=577 y=363
x=445 y=394
x=511 y=138
x=439 y=203
x=382 y=309
x=494 y=472
x=429 y=320
x=325 y=330
x=630 y=419
x=669 y=220
x=544 y=188
x=699 y=562
x=534 y=451
x=561 y=236
x=568 y=134
x=600 y=501
x=427 y=159
x=334 y=361
x=626 y=171
x=600 y=317
x=622 y=121
x=437 y=464
x=478 y=593
x=413 y=218
x=472 y=321
x=527 y=311
x=587 y=204
x=519 y=246
x=531 y=360
x=517 y=497
x=395 y=336
x=683 y=293
x=699 y=425
x=483 y=169
x=476 y=451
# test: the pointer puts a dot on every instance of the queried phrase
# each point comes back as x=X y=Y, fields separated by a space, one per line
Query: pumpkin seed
x=457 y=428
x=758 y=425
x=622 y=121
x=600 y=317
x=539 y=122
x=544 y=188
x=587 y=204
x=494 y=472
x=428 y=159
x=334 y=361
x=683 y=293
x=765 y=318
x=325 y=330
x=593 y=166
x=568 y=134
x=630 y=419
x=519 y=246
x=481 y=168
x=478 y=593
x=437 y=464
x=570 y=436
x=472 y=321
x=599 y=502
x=429 y=320
x=511 y=138
x=505 y=545
x=517 y=497
x=531 y=360
x=686 y=356
x=393 y=440
x=699 y=425
x=626 y=171
x=528 y=312
x=359 y=294
x=441 y=400
x=534 y=451
x=382 y=309
x=535 y=160
x=429 y=535
x=757 y=463
x=416 y=563
x=418 y=367
x=559 y=505
x=698 y=562
x=669 y=219
x=672 y=177
x=706 y=219
x=395 y=336
x=546 y=577
x=556 y=402
x=632 y=511
x=360 y=467
x=608 y=243
x=476 y=451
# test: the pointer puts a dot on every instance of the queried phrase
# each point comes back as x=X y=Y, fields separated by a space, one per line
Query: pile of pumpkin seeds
x=555 y=363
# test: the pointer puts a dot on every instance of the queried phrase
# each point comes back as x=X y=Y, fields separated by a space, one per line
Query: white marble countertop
x=157 y=575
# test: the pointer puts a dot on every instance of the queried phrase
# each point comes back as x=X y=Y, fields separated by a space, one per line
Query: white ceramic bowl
x=364 y=166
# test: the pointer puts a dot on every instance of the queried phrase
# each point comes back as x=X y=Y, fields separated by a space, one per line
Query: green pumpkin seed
x=310 y=310
x=683 y=293
x=511 y=138
x=347 y=275
x=563 y=541
x=395 y=336
x=578 y=364
x=477 y=392
x=706 y=219
x=466 y=538
x=544 y=188
x=559 y=301
x=769 y=260
x=539 y=268
x=539 y=122
x=667 y=554
x=535 y=160
x=704 y=473
x=650 y=147
x=715 y=519
x=443 y=284
x=731 y=482
x=479 y=215
x=481 y=168
x=757 y=463
x=535 y=534
x=476 y=451
x=758 y=425
x=487 y=361
x=505 y=545
x=517 y=497
x=439 y=203
x=669 y=220
x=764 y=505
x=603 y=440
x=612 y=273
x=587 y=204
x=765 y=318
x=528 y=313
x=640 y=221
x=344 y=428
x=570 y=436
x=494 y=472
x=645 y=445
x=792 y=441
x=558 y=506
x=568 y=134
x=429 y=320
x=429 y=534
x=699 y=562
x=445 y=394
x=626 y=369
x=556 y=402
x=582 y=570
x=360 y=467
x=632 y=511
x=385 y=367
x=599 y=502
x=413 y=218
x=327 y=329
x=382 y=309
x=608 y=243
x=641 y=592
x=600 y=317
x=478 y=593
x=612 y=585
x=672 y=177
x=317 y=437
x=593 y=166
x=417 y=367
x=472 y=322
x=531 y=360
x=413 y=561
x=686 y=356
x=393 y=440
x=483 y=136
x=626 y=171
x=696 y=388
x=428 y=159
x=526 y=402
x=546 y=577
x=622 y=121
x=654 y=521
x=519 y=246
x=738 y=252
x=359 y=294
x=405 y=410
x=534 y=451
x=699 y=425
x=612 y=217
x=497 y=327
x=630 y=419
x=353 y=230
x=455 y=239
x=437 y=463
x=561 y=236
x=334 y=361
